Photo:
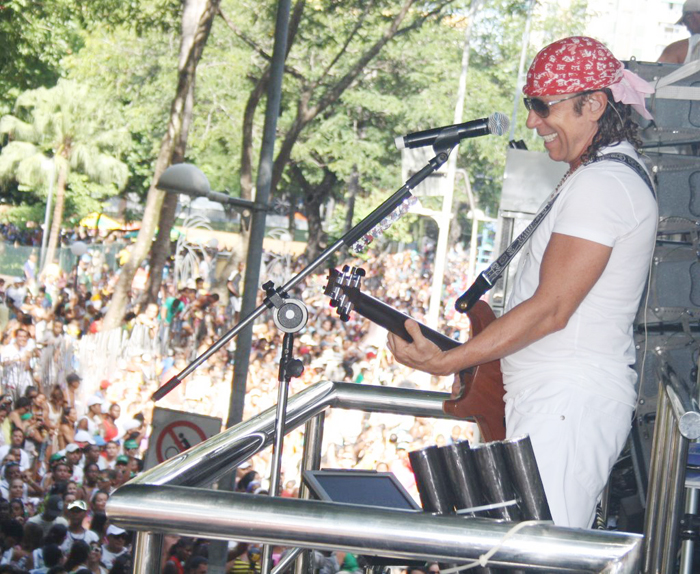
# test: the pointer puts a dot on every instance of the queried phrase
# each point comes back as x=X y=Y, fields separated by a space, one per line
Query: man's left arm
x=570 y=268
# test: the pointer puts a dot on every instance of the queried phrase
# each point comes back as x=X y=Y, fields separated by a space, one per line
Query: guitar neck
x=393 y=321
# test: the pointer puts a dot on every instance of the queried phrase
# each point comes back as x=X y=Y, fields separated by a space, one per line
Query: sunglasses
x=541 y=108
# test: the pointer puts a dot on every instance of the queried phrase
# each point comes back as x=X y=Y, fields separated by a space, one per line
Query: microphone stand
x=349 y=239
x=290 y=315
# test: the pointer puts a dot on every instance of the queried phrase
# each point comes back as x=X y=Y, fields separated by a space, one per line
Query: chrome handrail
x=677 y=422
x=169 y=498
x=370 y=531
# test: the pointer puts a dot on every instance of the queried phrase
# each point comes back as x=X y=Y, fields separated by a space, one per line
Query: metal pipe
x=665 y=474
x=683 y=406
x=286 y=560
x=208 y=461
x=678 y=460
x=688 y=546
x=655 y=484
x=370 y=531
x=310 y=460
x=147 y=552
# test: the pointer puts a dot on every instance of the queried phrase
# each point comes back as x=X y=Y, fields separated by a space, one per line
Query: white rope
x=484 y=558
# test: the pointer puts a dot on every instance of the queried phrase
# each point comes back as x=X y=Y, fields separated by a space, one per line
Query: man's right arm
x=674 y=53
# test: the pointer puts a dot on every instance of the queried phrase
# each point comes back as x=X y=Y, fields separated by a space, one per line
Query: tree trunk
x=197 y=17
x=353 y=188
x=57 y=220
x=160 y=251
x=314 y=197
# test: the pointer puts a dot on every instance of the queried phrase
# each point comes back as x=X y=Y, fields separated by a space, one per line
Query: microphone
x=497 y=124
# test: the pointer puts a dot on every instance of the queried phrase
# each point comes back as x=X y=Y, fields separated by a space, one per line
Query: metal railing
x=170 y=499
x=677 y=423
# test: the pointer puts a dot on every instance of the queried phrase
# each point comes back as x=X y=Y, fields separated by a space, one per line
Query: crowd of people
x=76 y=408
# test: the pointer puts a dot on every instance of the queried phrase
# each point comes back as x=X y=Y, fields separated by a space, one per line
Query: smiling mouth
x=549 y=137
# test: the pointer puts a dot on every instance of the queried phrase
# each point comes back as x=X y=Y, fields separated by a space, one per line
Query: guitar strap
x=496 y=269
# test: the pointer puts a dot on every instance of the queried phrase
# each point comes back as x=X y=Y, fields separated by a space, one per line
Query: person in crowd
x=16 y=359
x=110 y=453
x=687 y=50
x=115 y=545
x=16 y=446
x=562 y=361
x=77 y=511
x=52 y=556
x=77 y=558
x=111 y=430
x=93 y=421
x=73 y=382
x=178 y=554
x=51 y=515
x=89 y=485
x=197 y=565
x=66 y=427
x=73 y=457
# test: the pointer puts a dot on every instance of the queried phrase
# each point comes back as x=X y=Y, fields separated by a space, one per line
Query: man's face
x=93 y=453
x=61 y=472
x=692 y=22
x=112 y=450
x=16 y=488
x=201 y=569
x=17 y=438
x=566 y=134
x=74 y=457
x=76 y=517
x=116 y=543
x=21 y=338
x=92 y=472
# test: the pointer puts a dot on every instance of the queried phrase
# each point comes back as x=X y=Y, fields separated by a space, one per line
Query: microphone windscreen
x=498 y=123
x=398 y=142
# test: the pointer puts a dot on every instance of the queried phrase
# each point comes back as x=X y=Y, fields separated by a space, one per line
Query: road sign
x=175 y=432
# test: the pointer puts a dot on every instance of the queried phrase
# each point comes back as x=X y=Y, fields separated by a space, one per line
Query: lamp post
x=50 y=166
x=77 y=248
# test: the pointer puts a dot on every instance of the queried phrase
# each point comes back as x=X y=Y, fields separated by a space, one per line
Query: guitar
x=481 y=395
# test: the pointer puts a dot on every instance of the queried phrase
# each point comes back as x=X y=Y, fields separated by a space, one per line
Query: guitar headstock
x=343 y=287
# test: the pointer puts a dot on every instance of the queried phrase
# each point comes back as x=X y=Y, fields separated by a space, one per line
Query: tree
x=58 y=131
x=330 y=50
x=197 y=17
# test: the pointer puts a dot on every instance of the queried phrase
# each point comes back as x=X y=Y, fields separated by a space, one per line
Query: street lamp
x=78 y=248
x=48 y=165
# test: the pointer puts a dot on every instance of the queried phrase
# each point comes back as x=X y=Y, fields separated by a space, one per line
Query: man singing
x=565 y=341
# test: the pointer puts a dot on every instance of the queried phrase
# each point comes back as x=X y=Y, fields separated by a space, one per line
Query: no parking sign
x=175 y=432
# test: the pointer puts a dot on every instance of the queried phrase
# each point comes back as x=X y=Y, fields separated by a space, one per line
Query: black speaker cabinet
x=677 y=179
x=676 y=121
x=674 y=289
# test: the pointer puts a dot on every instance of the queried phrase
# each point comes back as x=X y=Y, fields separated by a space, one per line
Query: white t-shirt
x=608 y=203
x=87 y=536
x=24 y=460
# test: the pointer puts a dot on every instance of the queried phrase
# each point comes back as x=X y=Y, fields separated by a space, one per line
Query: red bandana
x=572 y=65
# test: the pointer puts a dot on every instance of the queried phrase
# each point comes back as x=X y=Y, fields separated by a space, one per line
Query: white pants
x=577 y=436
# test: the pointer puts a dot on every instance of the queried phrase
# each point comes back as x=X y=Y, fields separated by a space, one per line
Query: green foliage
x=34 y=36
x=24 y=213
x=69 y=126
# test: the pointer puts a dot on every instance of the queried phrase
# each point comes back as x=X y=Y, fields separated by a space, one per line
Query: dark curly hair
x=614 y=126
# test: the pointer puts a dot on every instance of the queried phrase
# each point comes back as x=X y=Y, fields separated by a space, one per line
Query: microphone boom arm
x=348 y=240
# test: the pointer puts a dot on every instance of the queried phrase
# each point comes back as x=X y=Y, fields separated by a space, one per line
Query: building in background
x=638 y=29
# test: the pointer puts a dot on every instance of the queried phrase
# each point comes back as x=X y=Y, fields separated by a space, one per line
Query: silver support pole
x=281 y=413
x=147 y=552
x=208 y=461
x=370 y=531
x=678 y=459
x=688 y=546
x=311 y=460
x=654 y=492
x=286 y=561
